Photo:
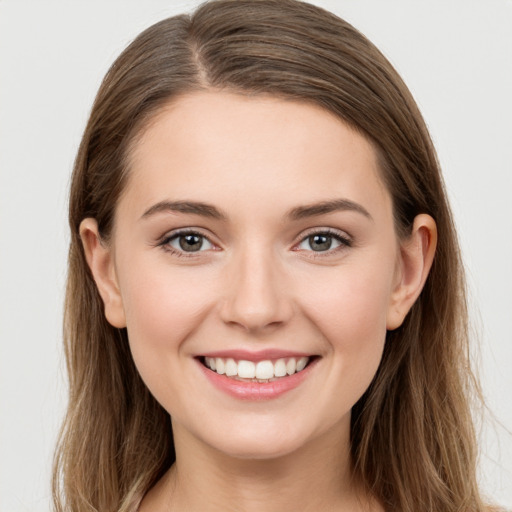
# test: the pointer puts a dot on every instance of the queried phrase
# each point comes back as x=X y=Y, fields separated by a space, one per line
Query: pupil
x=191 y=243
x=320 y=242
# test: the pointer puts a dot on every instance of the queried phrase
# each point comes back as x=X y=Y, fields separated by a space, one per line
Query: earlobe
x=100 y=260
x=416 y=257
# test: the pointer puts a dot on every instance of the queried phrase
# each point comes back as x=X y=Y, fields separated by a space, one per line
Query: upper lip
x=259 y=355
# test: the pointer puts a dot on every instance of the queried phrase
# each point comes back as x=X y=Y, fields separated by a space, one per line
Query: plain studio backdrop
x=456 y=57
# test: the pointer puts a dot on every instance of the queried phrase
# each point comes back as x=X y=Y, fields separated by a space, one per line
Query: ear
x=101 y=262
x=416 y=257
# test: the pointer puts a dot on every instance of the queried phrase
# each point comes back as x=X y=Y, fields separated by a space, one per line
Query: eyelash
x=164 y=243
x=344 y=241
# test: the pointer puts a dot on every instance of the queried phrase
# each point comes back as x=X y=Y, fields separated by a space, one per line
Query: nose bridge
x=257 y=298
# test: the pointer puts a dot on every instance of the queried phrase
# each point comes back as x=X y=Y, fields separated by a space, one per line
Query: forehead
x=230 y=148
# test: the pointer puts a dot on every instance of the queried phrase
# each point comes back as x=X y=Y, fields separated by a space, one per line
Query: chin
x=263 y=442
x=258 y=449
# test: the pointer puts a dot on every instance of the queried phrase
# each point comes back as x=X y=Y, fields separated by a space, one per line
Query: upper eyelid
x=185 y=231
x=328 y=231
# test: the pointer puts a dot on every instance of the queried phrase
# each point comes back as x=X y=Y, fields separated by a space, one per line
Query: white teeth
x=301 y=363
x=280 y=368
x=219 y=366
x=291 y=366
x=262 y=370
x=246 y=369
x=231 y=368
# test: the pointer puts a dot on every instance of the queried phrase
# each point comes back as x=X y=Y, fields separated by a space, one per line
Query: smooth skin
x=237 y=176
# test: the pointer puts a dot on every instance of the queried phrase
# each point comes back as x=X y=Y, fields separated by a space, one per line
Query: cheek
x=162 y=308
x=162 y=299
x=350 y=313
x=352 y=305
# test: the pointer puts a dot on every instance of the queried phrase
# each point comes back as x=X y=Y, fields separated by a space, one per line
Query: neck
x=315 y=477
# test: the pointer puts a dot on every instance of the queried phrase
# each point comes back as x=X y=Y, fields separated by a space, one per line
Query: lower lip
x=257 y=390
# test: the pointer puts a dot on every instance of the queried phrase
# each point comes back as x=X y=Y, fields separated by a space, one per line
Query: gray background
x=456 y=56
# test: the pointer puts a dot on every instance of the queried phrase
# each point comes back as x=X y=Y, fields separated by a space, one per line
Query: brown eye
x=324 y=241
x=320 y=242
x=189 y=242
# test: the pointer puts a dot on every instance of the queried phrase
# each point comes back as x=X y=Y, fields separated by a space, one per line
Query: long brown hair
x=412 y=439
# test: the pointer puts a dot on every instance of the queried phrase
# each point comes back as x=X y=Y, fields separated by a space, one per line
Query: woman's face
x=254 y=233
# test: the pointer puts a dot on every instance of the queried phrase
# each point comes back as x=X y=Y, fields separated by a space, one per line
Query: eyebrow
x=193 y=207
x=297 y=213
x=324 y=207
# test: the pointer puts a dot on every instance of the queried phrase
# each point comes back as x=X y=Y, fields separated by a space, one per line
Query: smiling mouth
x=264 y=371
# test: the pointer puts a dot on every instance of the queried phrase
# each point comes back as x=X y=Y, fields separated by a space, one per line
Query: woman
x=265 y=304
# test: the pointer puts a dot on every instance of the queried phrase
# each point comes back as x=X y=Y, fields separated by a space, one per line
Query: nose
x=256 y=299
